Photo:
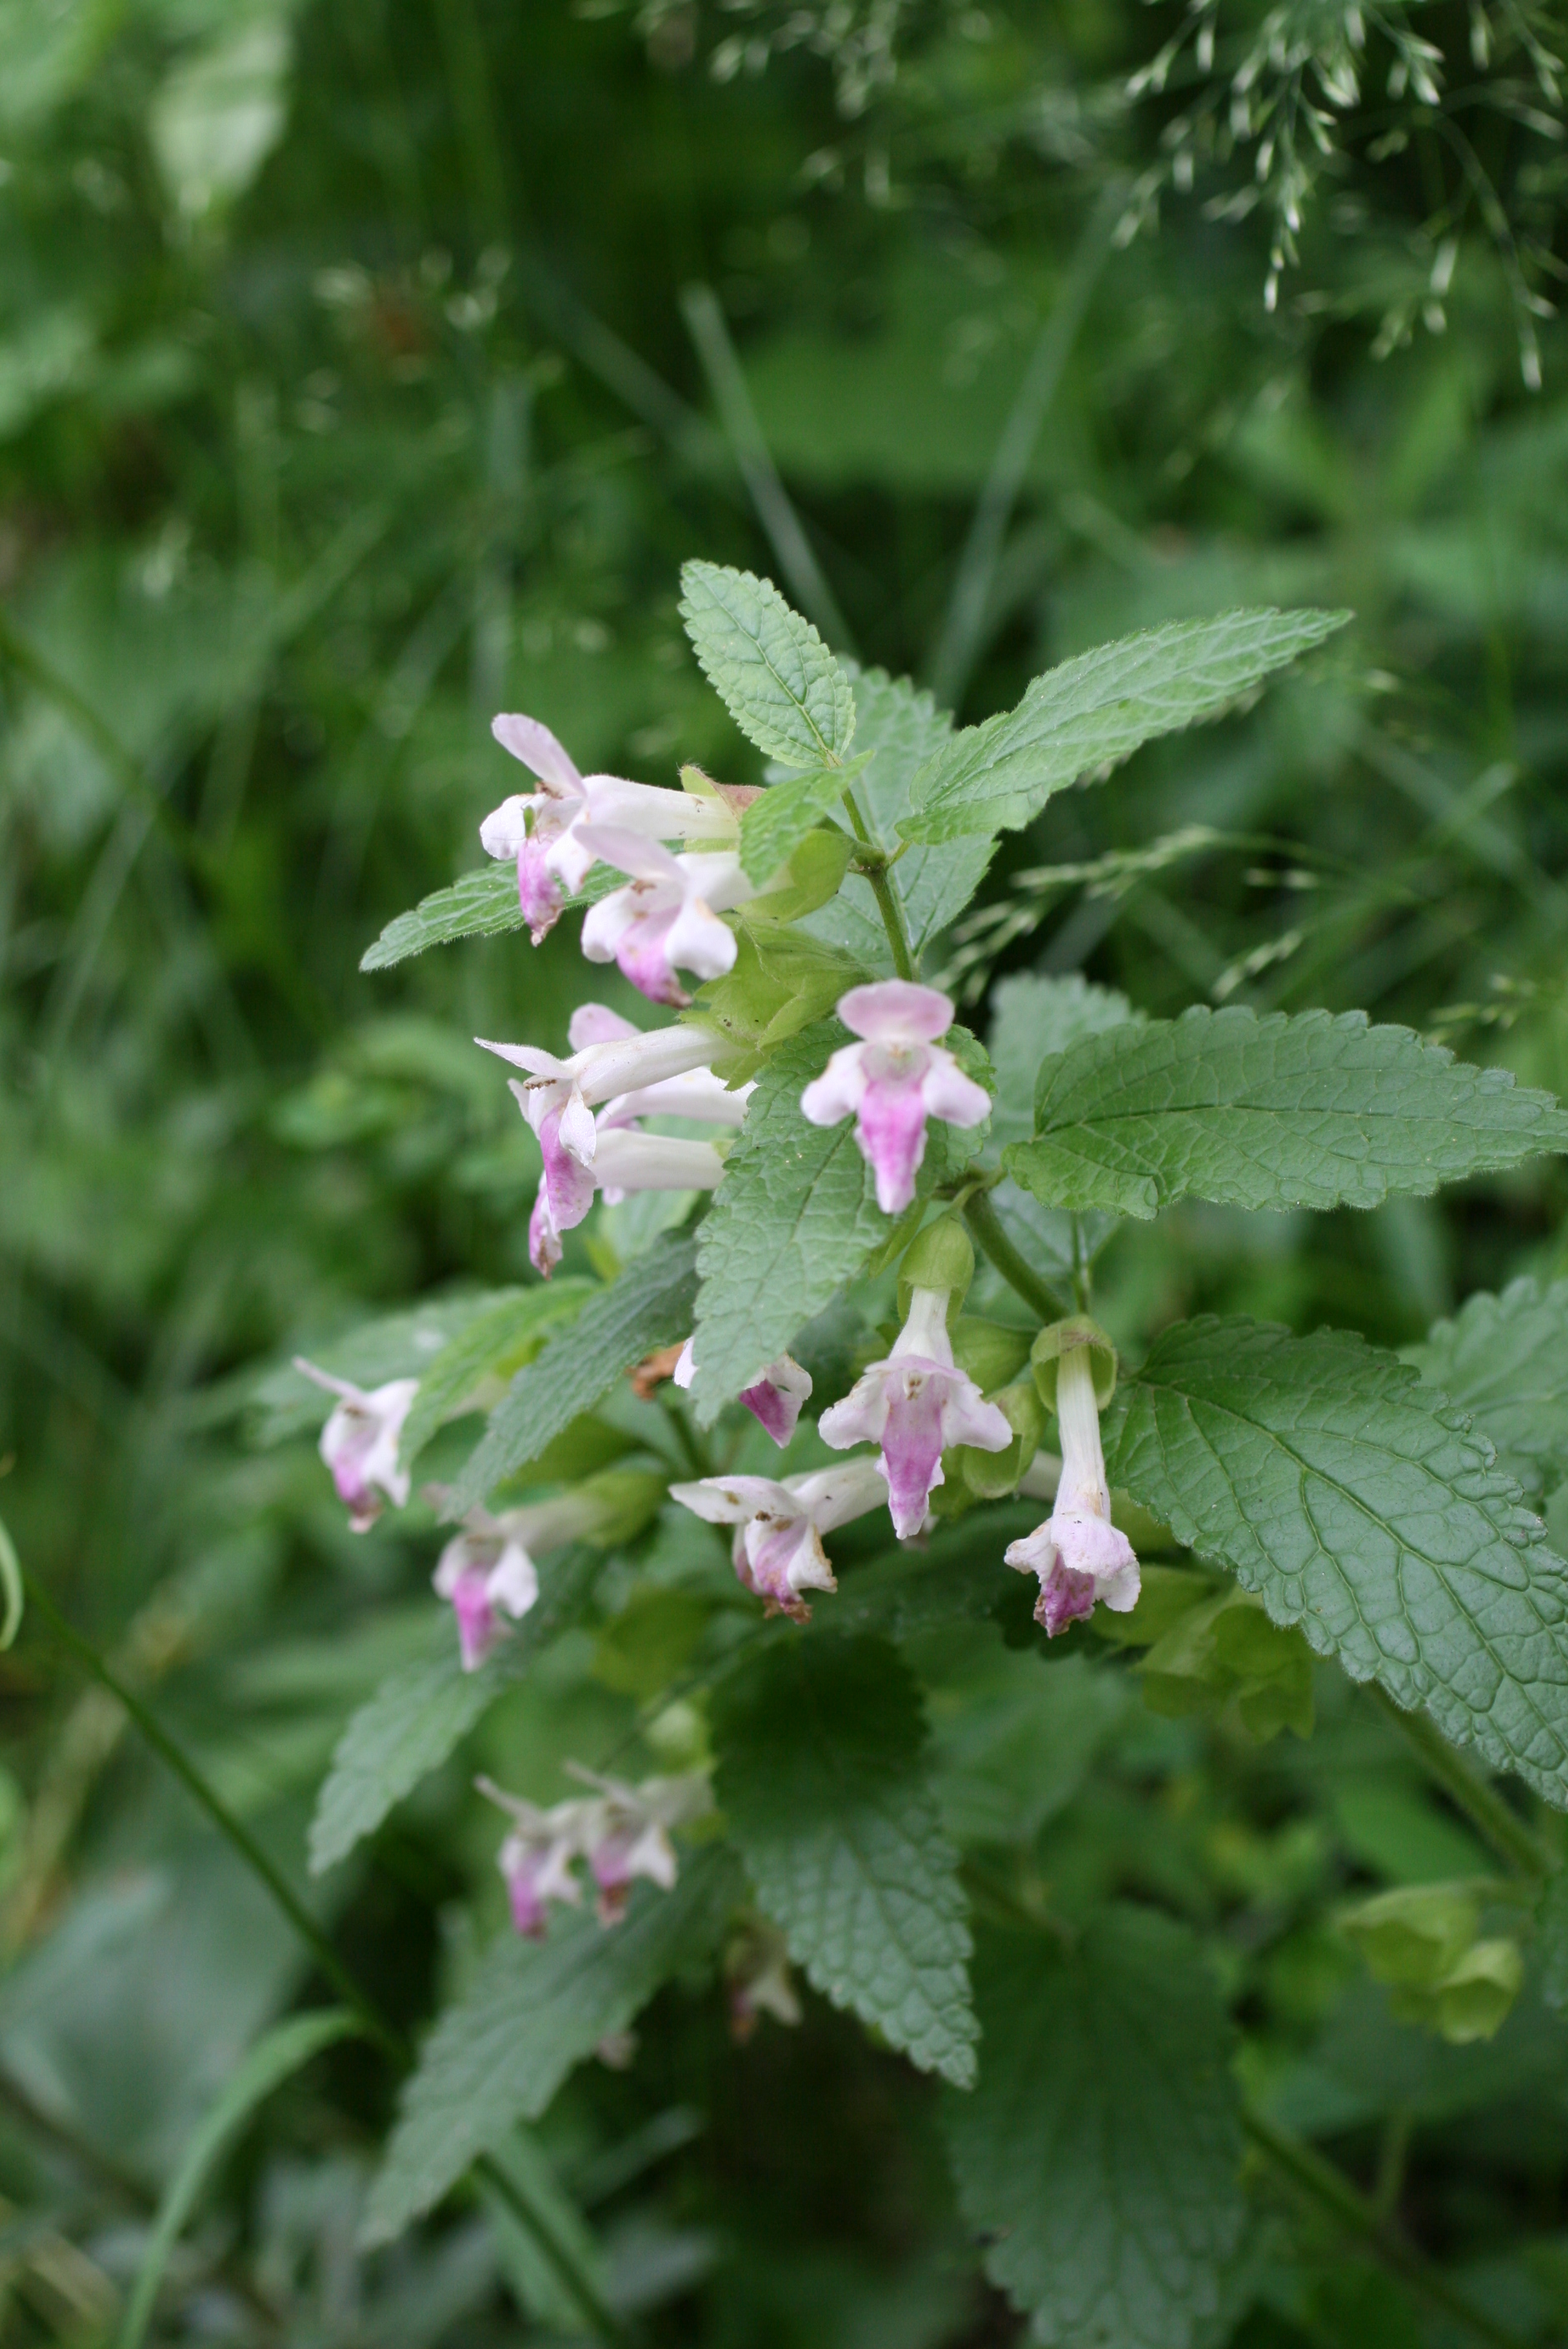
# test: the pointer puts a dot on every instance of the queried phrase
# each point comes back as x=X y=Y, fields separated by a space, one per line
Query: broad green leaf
x=907 y=1593
x=795 y=1217
x=1013 y=1736
x=533 y=2010
x=1304 y=1111
x=900 y=729
x=399 y=1346
x=773 y=826
x=1100 y=2152
x=1031 y=1020
x=1097 y=709
x=420 y=1715
x=274 y=2059
x=822 y=1778
x=650 y=1306
x=478 y=905
x=767 y=666
x=1356 y=1502
x=1506 y=1360
x=497 y=1343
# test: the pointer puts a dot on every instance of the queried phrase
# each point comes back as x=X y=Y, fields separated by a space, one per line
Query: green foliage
x=1104 y=2092
x=420 y=1715
x=531 y=2012
x=773 y=827
x=1505 y=1358
x=822 y=1780
x=481 y=904
x=794 y=1218
x=768 y=667
x=1277 y=1113
x=1095 y=711
x=650 y=1306
x=1354 y=1502
x=494 y=1344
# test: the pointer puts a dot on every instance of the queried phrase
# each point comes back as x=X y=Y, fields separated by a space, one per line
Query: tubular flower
x=774 y=1398
x=359 y=1443
x=778 y=1548
x=1078 y=1553
x=551 y=853
x=913 y=1405
x=622 y=1832
x=487 y=1568
x=667 y=916
x=611 y=1062
x=892 y=1080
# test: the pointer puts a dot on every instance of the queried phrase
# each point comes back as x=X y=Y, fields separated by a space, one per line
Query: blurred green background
x=366 y=369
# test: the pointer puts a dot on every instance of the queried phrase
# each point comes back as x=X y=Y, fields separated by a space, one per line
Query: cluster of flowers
x=586 y=1111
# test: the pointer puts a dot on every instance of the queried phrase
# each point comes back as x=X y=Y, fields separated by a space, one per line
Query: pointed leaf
x=419 y=1715
x=768 y=667
x=532 y=2010
x=1100 y=2151
x=507 y=1334
x=773 y=826
x=1033 y=1019
x=1506 y=1360
x=822 y=1778
x=1304 y=1111
x=1357 y=1503
x=1097 y=709
x=482 y=903
x=650 y=1306
x=900 y=729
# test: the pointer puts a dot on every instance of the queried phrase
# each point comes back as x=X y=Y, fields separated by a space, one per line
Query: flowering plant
x=855 y=1331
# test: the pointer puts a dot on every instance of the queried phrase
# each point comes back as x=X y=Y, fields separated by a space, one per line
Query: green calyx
x=1226 y=1647
x=940 y=1258
x=1421 y=1941
x=990 y=1352
x=1059 y=1338
x=992 y=1475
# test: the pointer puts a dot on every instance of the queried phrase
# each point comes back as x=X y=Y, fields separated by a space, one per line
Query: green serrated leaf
x=398 y=1345
x=533 y=2010
x=497 y=1343
x=1102 y=2150
x=1506 y=1360
x=1302 y=1112
x=1032 y=1018
x=420 y=1715
x=1095 y=711
x=795 y=1217
x=773 y=826
x=768 y=667
x=1356 y=1502
x=822 y=1778
x=650 y=1306
x=479 y=904
x=900 y=729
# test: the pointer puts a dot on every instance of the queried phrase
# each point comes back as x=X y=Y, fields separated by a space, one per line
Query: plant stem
x=885 y=894
x=987 y=1226
x=378 y=2027
x=1514 y=1843
x=1326 y=2189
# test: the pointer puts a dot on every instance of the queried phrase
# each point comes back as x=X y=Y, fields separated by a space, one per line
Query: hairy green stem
x=378 y=2027
x=1514 y=1843
x=987 y=1226
x=1318 y=2183
x=882 y=890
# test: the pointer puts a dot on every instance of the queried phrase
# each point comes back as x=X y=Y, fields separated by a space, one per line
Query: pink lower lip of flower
x=1064 y=1598
x=776 y=1399
x=890 y=1129
x=476 y=1626
x=912 y=1446
x=1081 y=1560
x=536 y=891
x=568 y=1183
x=543 y=1235
x=641 y=956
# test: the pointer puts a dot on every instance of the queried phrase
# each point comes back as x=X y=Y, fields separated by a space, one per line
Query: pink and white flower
x=913 y=1405
x=1078 y=1553
x=549 y=854
x=486 y=1571
x=617 y=1064
x=778 y=1548
x=893 y=1080
x=666 y=918
x=359 y=1443
x=774 y=1397
x=622 y=1832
